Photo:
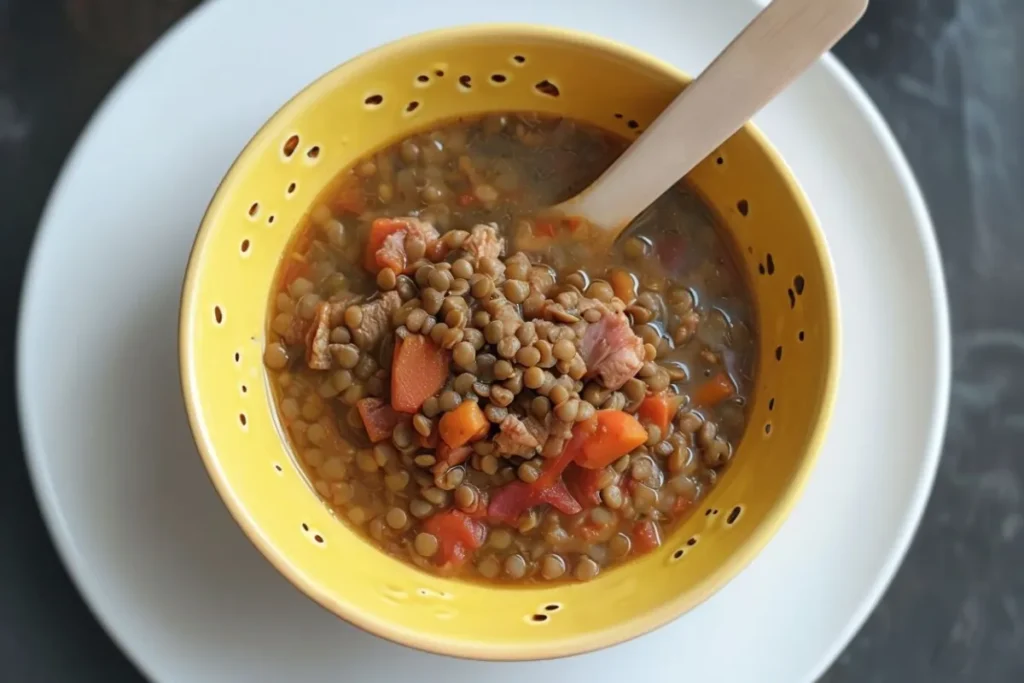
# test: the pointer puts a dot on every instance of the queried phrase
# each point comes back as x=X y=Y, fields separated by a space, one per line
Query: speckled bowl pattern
x=375 y=100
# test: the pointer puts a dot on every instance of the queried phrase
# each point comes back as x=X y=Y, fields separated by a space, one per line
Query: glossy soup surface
x=479 y=392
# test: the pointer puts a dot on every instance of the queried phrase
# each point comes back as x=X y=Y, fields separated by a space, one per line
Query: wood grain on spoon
x=772 y=50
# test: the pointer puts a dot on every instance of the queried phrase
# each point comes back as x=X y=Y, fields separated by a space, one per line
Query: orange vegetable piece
x=419 y=369
x=584 y=485
x=349 y=197
x=456 y=533
x=378 y=417
x=452 y=456
x=464 y=424
x=646 y=537
x=659 y=409
x=606 y=437
x=381 y=229
x=543 y=228
x=713 y=392
x=623 y=285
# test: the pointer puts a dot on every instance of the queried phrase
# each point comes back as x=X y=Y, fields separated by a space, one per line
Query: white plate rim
x=57 y=524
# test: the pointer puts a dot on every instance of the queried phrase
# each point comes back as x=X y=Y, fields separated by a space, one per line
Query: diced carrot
x=349 y=196
x=574 y=222
x=466 y=199
x=379 y=418
x=456 y=533
x=611 y=434
x=464 y=424
x=659 y=409
x=380 y=230
x=623 y=285
x=419 y=368
x=713 y=392
x=646 y=537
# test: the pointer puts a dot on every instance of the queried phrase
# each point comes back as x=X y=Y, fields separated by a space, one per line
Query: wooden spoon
x=777 y=46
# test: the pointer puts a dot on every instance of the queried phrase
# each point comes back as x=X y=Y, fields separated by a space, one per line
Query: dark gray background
x=949 y=77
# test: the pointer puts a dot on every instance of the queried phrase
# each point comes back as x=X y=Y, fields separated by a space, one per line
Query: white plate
x=125 y=494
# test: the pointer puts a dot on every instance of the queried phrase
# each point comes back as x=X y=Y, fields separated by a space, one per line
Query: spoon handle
x=777 y=46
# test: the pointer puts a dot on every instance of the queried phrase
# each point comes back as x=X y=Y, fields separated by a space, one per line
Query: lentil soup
x=476 y=390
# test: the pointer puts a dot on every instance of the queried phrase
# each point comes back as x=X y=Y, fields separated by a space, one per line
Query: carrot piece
x=623 y=285
x=646 y=536
x=380 y=230
x=349 y=196
x=464 y=424
x=456 y=534
x=659 y=409
x=713 y=392
x=466 y=199
x=378 y=417
x=419 y=369
x=609 y=435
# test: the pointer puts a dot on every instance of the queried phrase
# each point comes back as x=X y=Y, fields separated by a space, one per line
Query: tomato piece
x=456 y=533
x=584 y=485
x=543 y=228
x=646 y=537
x=452 y=456
x=558 y=497
x=510 y=501
x=378 y=417
x=516 y=497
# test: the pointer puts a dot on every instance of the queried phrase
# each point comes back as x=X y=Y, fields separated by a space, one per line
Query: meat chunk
x=538 y=430
x=376 y=319
x=297 y=331
x=318 y=356
x=611 y=350
x=515 y=438
x=483 y=242
x=391 y=238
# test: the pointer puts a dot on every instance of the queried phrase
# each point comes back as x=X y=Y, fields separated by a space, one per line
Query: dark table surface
x=949 y=77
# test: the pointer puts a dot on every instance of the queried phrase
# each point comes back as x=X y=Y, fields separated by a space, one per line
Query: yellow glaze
x=250 y=463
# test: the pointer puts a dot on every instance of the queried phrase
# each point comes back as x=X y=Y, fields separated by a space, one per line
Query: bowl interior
x=375 y=100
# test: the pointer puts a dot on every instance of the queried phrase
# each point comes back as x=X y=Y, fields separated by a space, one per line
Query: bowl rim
x=774 y=517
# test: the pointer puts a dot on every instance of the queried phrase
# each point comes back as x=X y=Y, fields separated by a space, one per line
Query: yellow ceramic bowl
x=375 y=100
